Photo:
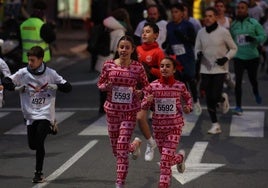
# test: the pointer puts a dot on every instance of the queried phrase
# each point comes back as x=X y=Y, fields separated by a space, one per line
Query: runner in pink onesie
x=168 y=99
x=120 y=77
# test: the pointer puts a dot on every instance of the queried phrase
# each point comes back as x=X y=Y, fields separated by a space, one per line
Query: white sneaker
x=149 y=153
x=136 y=153
x=215 y=129
x=225 y=105
x=197 y=108
x=181 y=166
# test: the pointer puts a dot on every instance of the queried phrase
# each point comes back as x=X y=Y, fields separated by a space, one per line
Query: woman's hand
x=186 y=109
x=150 y=98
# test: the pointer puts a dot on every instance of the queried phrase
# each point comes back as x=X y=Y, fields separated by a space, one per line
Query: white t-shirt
x=37 y=102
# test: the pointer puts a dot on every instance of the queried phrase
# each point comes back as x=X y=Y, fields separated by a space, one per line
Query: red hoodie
x=151 y=54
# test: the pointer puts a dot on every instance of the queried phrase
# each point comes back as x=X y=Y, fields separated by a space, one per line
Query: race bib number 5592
x=165 y=106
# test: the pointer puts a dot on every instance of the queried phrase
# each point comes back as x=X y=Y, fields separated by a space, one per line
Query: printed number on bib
x=122 y=94
x=178 y=49
x=39 y=100
x=165 y=106
x=241 y=39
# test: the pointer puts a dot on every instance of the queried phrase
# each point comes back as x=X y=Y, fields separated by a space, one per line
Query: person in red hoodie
x=150 y=55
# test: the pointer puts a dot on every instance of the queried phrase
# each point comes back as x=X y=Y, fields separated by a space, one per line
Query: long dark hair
x=134 y=55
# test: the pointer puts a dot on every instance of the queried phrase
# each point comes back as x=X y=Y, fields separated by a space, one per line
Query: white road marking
x=189 y=123
x=194 y=168
x=99 y=127
x=2 y=114
x=250 y=124
x=89 y=82
x=22 y=130
x=67 y=164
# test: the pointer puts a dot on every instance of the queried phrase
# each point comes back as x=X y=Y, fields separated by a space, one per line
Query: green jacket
x=30 y=36
x=247 y=27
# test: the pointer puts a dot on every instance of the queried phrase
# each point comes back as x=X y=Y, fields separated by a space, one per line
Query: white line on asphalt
x=98 y=127
x=67 y=164
x=189 y=123
x=194 y=167
x=89 y=82
x=22 y=130
x=2 y=114
x=250 y=124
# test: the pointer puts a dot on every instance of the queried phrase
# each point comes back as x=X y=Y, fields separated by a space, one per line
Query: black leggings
x=191 y=84
x=252 y=68
x=37 y=133
x=213 y=85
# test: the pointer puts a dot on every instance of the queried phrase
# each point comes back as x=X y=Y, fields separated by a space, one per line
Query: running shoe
x=181 y=166
x=258 y=99
x=237 y=111
x=136 y=153
x=38 y=177
x=225 y=104
x=215 y=129
x=197 y=108
x=149 y=153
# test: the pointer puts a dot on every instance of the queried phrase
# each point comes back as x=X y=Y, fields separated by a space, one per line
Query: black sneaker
x=54 y=128
x=38 y=177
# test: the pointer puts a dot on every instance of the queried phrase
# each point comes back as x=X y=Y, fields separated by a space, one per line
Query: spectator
x=34 y=31
x=248 y=34
x=104 y=39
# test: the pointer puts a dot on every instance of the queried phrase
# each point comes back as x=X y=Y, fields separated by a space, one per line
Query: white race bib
x=122 y=94
x=178 y=49
x=39 y=99
x=241 y=39
x=165 y=106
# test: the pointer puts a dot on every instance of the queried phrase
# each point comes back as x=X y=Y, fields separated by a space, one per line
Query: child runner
x=37 y=85
x=119 y=78
x=4 y=72
x=168 y=99
x=150 y=55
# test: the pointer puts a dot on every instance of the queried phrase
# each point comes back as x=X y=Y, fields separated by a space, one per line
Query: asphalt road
x=80 y=155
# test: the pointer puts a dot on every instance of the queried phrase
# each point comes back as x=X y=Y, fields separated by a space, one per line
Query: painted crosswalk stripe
x=99 y=127
x=2 y=114
x=67 y=164
x=21 y=128
x=189 y=123
x=250 y=124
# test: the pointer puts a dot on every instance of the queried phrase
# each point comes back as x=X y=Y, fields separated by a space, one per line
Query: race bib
x=39 y=99
x=165 y=106
x=241 y=39
x=122 y=94
x=178 y=49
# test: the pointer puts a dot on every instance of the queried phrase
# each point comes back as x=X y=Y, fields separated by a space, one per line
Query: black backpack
x=99 y=41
